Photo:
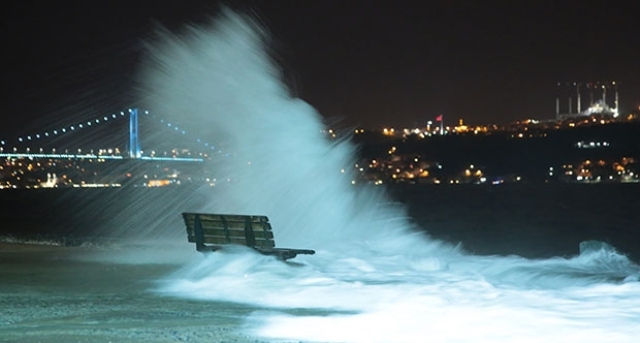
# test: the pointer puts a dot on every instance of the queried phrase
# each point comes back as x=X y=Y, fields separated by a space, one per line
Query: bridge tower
x=134 y=143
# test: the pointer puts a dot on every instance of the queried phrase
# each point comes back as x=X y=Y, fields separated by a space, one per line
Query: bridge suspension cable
x=134 y=137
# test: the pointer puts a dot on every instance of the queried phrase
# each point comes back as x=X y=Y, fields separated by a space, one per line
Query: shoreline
x=50 y=294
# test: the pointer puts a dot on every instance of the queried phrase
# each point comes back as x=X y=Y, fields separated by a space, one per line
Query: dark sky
x=367 y=63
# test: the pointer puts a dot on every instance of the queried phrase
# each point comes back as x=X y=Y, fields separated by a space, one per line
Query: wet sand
x=47 y=294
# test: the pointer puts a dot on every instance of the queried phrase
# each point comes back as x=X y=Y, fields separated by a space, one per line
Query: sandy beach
x=48 y=295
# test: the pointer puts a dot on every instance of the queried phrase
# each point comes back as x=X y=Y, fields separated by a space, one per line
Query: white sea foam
x=375 y=278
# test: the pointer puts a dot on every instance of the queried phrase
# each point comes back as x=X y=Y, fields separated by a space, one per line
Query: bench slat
x=211 y=231
x=220 y=240
x=239 y=240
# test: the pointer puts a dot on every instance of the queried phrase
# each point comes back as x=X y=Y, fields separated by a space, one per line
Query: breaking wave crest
x=375 y=277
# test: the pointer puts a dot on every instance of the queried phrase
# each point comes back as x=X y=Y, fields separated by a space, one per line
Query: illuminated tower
x=558 y=102
x=134 y=144
x=578 y=95
x=616 y=111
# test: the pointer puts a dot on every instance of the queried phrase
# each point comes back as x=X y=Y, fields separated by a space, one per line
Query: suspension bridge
x=9 y=149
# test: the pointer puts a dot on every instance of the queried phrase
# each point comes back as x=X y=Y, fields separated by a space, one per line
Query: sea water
x=375 y=276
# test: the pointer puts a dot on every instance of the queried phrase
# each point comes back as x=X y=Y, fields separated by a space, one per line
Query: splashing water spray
x=375 y=278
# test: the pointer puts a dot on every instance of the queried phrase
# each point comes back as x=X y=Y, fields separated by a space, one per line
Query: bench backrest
x=220 y=229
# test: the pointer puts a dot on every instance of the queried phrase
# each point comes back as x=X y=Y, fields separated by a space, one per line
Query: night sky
x=365 y=63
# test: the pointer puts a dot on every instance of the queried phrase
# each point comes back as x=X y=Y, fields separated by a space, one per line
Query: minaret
x=558 y=92
x=616 y=112
x=578 y=95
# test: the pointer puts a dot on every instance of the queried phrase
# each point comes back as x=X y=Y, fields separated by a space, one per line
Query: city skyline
x=532 y=152
x=366 y=66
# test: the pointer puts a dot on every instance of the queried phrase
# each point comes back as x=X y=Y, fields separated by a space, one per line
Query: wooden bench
x=210 y=232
